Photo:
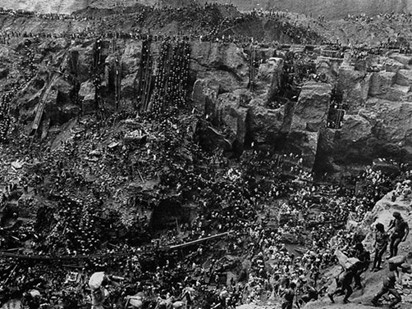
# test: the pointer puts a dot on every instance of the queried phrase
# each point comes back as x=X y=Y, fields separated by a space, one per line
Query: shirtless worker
x=399 y=234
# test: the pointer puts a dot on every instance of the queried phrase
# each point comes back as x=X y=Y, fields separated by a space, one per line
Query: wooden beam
x=197 y=241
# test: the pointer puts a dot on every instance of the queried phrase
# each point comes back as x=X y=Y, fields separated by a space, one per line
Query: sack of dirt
x=397 y=260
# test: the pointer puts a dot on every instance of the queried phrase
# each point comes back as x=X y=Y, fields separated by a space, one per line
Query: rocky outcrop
x=382 y=129
x=354 y=86
x=205 y=92
x=392 y=65
x=222 y=57
x=312 y=108
x=87 y=95
x=401 y=58
x=329 y=67
x=377 y=104
x=404 y=77
x=356 y=128
x=231 y=113
x=309 y=120
x=265 y=125
x=381 y=82
x=270 y=72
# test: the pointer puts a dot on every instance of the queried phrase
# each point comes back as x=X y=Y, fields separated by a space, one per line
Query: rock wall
x=377 y=118
x=378 y=105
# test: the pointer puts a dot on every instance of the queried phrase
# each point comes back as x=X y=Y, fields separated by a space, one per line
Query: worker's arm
x=406 y=232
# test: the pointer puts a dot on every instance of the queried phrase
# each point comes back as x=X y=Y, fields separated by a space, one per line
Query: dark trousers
x=393 y=247
x=378 y=257
x=392 y=291
x=287 y=305
x=342 y=289
x=357 y=279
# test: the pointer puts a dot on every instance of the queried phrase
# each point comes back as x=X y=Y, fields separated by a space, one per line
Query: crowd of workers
x=206 y=23
x=230 y=204
x=264 y=205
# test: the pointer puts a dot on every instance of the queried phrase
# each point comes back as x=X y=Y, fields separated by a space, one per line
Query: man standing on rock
x=400 y=232
x=381 y=243
x=389 y=287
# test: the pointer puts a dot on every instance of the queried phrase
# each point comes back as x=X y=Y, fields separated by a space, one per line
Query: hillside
x=331 y=9
x=45 y=6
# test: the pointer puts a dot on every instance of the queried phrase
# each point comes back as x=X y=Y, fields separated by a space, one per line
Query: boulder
x=404 y=77
x=50 y=98
x=404 y=59
x=231 y=113
x=311 y=110
x=62 y=86
x=394 y=120
x=204 y=95
x=227 y=81
x=54 y=45
x=354 y=86
x=396 y=93
x=270 y=73
x=329 y=67
x=380 y=82
x=82 y=60
x=355 y=128
x=131 y=57
x=270 y=70
x=87 y=95
x=377 y=131
x=392 y=65
x=227 y=57
x=264 y=124
x=127 y=88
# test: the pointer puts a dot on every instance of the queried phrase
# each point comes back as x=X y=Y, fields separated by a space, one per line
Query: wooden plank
x=197 y=241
